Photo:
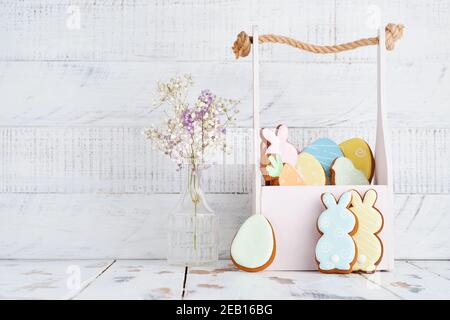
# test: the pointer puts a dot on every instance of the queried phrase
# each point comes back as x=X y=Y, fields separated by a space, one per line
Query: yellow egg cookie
x=289 y=176
x=358 y=151
x=311 y=170
x=370 y=223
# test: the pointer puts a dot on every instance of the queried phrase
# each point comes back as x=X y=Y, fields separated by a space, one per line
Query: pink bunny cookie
x=279 y=144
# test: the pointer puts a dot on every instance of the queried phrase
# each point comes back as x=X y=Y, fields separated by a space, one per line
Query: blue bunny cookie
x=325 y=150
x=336 y=251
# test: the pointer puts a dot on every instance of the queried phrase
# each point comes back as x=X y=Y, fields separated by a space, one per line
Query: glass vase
x=192 y=227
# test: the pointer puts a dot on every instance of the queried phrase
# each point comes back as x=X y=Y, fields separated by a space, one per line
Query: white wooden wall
x=77 y=180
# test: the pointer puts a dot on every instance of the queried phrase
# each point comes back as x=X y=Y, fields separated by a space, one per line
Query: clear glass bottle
x=192 y=227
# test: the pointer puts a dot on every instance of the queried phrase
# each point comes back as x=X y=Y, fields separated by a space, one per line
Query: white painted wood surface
x=104 y=73
x=153 y=279
x=132 y=226
x=299 y=94
x=441 y=270
x=74 y=101
x=203 y=30
x=28 y=279
x=406 y=282
x=227 y=282
x=137 y=280
x=119 y=160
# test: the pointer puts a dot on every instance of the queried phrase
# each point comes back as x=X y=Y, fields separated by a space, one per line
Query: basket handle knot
x=243 y=43
x=394 y=32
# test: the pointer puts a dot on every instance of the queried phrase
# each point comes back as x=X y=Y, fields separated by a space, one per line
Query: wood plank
x=143 y=30
x=153 y=279
x=413 y=283
x=439 y=268
x=119 y=160
x=133 y=226
x=205 y=30
x=298 y=94
x=27 y=279
x=137 y=280
x=420 y=225
x=425 y=36
x=92 y=226
x=226 y=282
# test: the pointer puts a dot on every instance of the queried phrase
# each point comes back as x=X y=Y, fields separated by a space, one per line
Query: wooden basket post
x=256 y=124
x=383 y=168
x=383 y=173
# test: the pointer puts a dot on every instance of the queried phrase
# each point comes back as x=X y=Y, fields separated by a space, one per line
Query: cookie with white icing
x=325 y=150
x=278 y=144
x=370 y=221
x=336 y=251
x=359 y=152
x=311 y=170
x=343 y=172
x=253 y=248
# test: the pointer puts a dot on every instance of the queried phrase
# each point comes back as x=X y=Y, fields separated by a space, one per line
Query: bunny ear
x=370 y=197
x=268 y=134
x=263 y=146
x=328 y=200
x=261 y=135
x=282 y=132
x=356 y=198
x=345 y=199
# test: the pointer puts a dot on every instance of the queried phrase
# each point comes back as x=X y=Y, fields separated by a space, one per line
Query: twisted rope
x=243 y=43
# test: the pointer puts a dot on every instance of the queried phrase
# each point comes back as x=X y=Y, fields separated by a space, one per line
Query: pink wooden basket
x=293 y=211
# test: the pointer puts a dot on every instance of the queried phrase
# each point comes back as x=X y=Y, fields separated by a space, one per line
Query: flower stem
x=195 y=197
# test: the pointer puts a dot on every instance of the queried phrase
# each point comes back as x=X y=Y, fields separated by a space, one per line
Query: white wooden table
x=155 y=279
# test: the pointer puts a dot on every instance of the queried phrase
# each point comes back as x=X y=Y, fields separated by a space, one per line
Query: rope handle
x=243 y=43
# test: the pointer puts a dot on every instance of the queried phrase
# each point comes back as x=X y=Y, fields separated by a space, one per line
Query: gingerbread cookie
x=359 y=152
x=290 y=177
x=336 y=251
x=264 y=157
x=278 y=144
x=343 y=172
x=370 y=223
x=264 y=160
x=253 y=248
x=311 y=170
x=324 y=150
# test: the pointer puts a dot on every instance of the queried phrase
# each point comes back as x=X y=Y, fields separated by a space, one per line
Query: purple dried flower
x=194 y=131
x=199 y=115
x=206 y=97
x=187 y=120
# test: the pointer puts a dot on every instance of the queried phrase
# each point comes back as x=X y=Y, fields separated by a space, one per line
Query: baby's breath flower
x=191 y=131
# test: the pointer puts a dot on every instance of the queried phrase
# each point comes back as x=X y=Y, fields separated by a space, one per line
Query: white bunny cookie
x=279 y=144
x=370 y=247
